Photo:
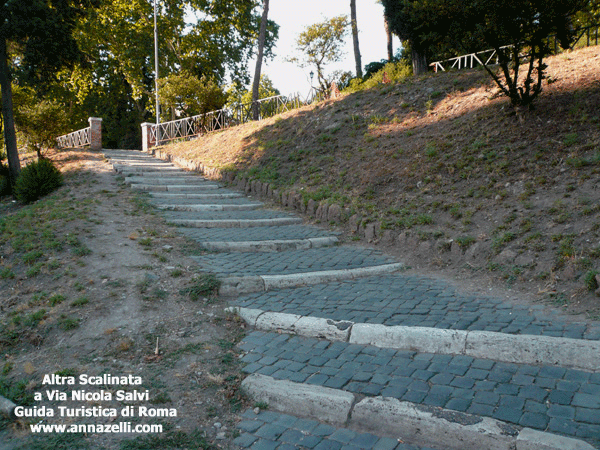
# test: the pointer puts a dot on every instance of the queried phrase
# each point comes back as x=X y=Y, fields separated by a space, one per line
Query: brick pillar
x=95 y=133
x=147 y=140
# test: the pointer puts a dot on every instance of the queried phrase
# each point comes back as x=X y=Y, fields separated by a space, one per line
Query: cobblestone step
x=299 y=232
x=208 y=199
x=221 y=194
x=184 y=178
x=127 y=170
x=201 y=186
x=415 y=300
x=544 y=398
x=211 y=207
x=291 y=262
x=273 y=430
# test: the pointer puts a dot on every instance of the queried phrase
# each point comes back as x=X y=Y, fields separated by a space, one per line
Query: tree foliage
x=186 y=95
x=321 y=44
x=117 y=79
x=40 y=122
x=35 y=39
x=517 y=30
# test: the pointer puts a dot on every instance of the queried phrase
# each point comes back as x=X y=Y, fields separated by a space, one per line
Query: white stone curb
x=326 y=404
x=523 y=349
x=325 y=276
x=414 y=424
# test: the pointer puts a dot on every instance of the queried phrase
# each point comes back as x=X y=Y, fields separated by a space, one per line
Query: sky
x=294 y=17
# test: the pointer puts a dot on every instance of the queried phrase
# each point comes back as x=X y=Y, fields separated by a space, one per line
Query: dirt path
x=108 y=303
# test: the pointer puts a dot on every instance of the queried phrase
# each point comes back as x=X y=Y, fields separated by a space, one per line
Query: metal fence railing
x=76 y=139
x=471 y=60
x=228 y=117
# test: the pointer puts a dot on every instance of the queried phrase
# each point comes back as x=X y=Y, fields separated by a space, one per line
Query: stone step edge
x=162 y=180
x=235 y=223
x=210 y=207
x=274 y=245
x=173 y=187
x=191 y=195
x=231 y=286
x=414 y=424
x=121 y=168
x=511 y=348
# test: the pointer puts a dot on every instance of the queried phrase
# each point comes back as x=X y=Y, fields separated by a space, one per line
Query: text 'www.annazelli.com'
x=121 y=427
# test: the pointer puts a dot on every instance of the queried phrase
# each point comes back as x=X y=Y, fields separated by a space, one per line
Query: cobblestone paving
x=255 y=233
x=413 y=300
x=225 y=215
x=204 y=201
x=554 y=399
x=293 y=261
x=274 y=431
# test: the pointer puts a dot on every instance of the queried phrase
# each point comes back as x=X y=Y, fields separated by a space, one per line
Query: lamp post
x=312 y=74
x=156 y=73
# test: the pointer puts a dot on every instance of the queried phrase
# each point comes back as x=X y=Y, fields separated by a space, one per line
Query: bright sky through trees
x=294 y=17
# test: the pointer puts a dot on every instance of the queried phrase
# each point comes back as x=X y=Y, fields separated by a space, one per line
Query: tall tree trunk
x=390 y=42
x=10 y=136
x=354 y=25
x=261 y=44
x=419 y=61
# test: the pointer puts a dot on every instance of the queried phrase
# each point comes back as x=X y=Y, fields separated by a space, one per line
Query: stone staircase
x=351 y=352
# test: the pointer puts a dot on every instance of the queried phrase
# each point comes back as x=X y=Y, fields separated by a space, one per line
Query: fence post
x=147 y=142
x=95 y=133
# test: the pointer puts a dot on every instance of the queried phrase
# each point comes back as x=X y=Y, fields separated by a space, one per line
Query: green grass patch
x=81 y=301
x=67 y=323
x=204 y=285
x=56 y=299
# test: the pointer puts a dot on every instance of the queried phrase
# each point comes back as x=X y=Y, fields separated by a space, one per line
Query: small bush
x=204 y=285
x=36 y=180
x=590 y=280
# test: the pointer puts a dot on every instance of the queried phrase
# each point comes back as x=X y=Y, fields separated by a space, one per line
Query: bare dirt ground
x=93 y=282
x=450 y=178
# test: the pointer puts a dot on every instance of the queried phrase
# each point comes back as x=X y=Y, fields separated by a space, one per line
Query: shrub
x=36 y=180
x=590 y=280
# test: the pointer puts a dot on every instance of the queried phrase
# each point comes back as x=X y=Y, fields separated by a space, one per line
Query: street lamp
x=156 y=69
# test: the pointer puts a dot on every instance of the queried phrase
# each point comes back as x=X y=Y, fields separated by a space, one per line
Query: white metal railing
x=470 y=60
x=223 y=118
x=76 y=139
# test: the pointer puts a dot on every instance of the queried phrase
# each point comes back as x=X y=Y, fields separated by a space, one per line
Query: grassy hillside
x=447 y=175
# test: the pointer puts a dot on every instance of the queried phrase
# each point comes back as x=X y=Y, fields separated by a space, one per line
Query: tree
x=354 y=26
x=188 y=95
x=41 y=122
x=118 y=42
x=390 y=40
x=41 y=32
x=261 y=45
x=321 y=44
x=265 y=90
x=409 y=20
x=519 y=32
